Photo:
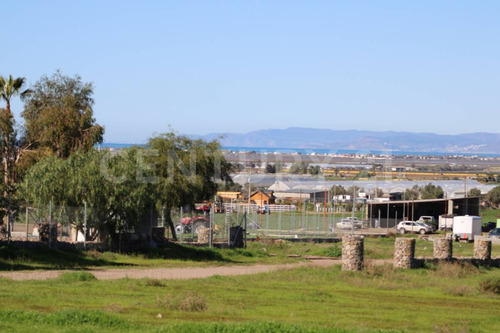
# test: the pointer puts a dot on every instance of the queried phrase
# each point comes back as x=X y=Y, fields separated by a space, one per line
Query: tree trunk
x=6 y=178
x=170 y=223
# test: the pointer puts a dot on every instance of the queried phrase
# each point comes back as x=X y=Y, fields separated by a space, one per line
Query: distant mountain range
x=310 y=138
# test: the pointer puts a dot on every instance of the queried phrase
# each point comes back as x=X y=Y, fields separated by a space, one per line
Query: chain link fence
x=50 y=224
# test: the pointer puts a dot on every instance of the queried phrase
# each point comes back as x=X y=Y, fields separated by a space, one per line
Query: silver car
x=410 y=226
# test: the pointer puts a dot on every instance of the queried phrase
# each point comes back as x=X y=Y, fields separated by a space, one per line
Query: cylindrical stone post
x=352 y=253
x=404 y=253
x=443 y=248
x=482 y=249
x=203 y=235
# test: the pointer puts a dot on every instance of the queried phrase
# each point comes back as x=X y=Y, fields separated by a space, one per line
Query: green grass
x=490 y=215
x=443 y=298
x=175 y=255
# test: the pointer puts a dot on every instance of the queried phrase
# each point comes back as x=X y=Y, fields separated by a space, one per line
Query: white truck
x=466 y=227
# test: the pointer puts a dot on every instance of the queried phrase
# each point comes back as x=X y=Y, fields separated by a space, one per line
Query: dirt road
x=170 y=273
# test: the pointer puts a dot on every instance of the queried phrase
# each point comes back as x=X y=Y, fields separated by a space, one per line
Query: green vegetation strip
x=447 y=297
x=14 y=258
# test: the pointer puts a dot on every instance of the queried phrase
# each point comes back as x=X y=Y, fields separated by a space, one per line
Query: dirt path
x=170 y=273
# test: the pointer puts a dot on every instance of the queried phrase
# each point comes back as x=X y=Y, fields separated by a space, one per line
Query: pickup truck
x=348 y=222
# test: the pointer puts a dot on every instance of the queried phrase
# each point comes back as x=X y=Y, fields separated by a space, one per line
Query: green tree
x=493 y=197
x=474 y=192
x=270 y=168
x=9 y=88
x=338 y=190
x=187 y=171
x=106 y=181
x=412 y=193
x=58 y=115
x=431 y=191
x=299 y=168
x=314 y=170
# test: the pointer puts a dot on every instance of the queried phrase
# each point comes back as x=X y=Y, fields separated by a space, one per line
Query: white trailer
x=466 y=227
x=446 y=222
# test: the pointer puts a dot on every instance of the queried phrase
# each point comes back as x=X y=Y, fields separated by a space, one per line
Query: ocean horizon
x=317 y=151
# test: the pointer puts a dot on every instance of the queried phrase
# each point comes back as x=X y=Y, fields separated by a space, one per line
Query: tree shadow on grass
x=40 y=256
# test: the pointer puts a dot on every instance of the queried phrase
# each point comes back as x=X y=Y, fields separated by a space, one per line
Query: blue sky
x=200 y=67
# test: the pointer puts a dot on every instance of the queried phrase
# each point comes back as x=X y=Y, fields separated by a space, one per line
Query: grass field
x=441 y=298
x=445 y=298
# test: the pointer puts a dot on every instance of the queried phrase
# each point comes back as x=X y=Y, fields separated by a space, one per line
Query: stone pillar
x=203 y=235
x=404 y=253
x=352 y=253
x=482 y=249
x=443 y=248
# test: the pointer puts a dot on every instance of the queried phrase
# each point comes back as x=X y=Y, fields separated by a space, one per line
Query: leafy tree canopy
x=299 y=168
x=493 y=196
x=431 y=191
x=187 y=170
x=106 y=181
x=474 y=192
x=58 y=115
x=338 y=190
x=412 y=193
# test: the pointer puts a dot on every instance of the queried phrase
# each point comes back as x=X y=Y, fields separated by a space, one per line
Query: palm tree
x=10 y=88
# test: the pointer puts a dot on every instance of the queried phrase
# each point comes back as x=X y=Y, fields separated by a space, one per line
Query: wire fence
x=50 y=224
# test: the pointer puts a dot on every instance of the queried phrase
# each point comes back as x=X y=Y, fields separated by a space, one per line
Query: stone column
x=482 y=249
x=443 y=248
x=404 y=253
x=203 y=235
x=352 y=253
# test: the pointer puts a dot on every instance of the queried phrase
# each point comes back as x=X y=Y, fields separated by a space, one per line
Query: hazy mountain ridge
x=297 y=137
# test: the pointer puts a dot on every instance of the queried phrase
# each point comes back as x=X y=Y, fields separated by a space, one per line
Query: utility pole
x=353 y=208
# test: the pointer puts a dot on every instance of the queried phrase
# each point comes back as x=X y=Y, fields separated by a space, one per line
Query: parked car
x=429 y=220
x=488 y=226
x=410 y=226
x=495 y=233
x=348 y=222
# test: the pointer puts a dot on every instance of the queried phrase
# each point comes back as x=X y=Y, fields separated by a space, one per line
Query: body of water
x=312 y=151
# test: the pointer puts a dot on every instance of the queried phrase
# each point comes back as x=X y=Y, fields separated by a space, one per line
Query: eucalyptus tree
x=58 y=115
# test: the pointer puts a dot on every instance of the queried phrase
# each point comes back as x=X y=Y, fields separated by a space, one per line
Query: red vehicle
x=189 y=225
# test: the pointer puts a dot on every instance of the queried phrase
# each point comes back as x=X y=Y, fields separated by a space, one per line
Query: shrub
x=490 y=286
x=70 y=277
x=154 y=283
x=193 y=302
x=334 y=251
x=455 y=270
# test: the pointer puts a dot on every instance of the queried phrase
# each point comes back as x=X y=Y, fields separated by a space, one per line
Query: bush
x=490 y=286
x=191 y=302
x=76 y=277
x=333 y=251
x=454 y=270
